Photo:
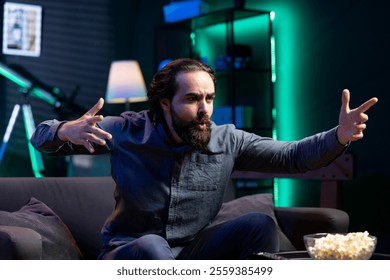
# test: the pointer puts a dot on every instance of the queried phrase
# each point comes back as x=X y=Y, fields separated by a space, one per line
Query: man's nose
x=202 y=106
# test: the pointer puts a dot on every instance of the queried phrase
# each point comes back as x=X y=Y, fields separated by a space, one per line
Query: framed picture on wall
x=22 y=29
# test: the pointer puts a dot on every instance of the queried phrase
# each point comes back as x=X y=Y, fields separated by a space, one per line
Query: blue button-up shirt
x=172 y=190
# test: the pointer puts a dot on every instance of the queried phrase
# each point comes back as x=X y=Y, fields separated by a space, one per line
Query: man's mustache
x=201 y=119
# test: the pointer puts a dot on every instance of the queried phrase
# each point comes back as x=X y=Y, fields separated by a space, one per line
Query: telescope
x=29 y=86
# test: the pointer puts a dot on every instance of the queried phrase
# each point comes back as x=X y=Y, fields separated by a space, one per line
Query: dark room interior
x=313 y=51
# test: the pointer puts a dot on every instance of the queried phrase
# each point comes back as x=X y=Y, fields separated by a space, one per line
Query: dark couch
x=61 y=218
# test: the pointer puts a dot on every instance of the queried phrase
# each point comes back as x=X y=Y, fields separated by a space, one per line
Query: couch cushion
x=82 y=203
x=20 y=243
x=262 y=203
x=57 y=241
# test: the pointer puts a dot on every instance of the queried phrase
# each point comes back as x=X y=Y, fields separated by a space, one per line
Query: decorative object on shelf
x=242 y=58
x=125 y=83
x=179 y=10
x=163 y=63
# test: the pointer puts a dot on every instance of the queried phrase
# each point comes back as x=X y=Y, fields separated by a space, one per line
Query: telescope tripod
x=29 y=125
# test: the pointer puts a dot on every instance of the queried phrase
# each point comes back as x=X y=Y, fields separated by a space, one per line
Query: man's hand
x=352 y=122
x=83 y=130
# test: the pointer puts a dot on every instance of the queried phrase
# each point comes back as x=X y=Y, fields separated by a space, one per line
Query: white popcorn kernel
x=351 y=246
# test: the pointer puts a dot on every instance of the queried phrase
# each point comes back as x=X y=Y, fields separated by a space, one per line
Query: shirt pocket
x=204 y=172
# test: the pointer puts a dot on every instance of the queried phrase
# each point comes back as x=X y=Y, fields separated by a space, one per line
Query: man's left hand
x=352 y=122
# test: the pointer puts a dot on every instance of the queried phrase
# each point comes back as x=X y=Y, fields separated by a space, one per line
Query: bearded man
x=171 y=165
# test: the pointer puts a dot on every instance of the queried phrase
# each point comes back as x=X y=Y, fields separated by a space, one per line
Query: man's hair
x=164 y=83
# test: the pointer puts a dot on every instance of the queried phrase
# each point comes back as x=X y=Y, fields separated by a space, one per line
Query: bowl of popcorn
x=340 y=246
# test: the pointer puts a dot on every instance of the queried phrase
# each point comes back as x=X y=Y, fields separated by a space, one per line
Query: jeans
x=234 y=239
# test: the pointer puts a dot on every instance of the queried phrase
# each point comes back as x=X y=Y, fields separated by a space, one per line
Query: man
x=171 y=165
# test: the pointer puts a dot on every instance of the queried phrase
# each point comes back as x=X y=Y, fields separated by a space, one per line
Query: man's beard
x=190 y=133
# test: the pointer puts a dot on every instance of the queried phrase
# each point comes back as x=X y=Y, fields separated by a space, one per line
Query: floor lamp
x=125 y=83
x=28 y=89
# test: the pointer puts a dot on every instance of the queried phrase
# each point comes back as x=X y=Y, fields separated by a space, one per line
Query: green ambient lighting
x=273 y=80
x=287 y=95
x=273 y=59
x=287 y=90
x=272 y=15
x=274 y=130
x=276 y=191
x=192 y=36
x=275 y=136
x=210 y=44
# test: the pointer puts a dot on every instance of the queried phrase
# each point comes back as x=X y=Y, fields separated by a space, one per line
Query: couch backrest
x=83 y=203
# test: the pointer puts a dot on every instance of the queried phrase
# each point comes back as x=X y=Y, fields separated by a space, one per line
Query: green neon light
x=210 y=44
x=273 y=59
x=274 y=130
x=192 y=36
x=276 y=191
x=287 y=90
x=272 y=15
x=273 y=80
x=287 y=94
x=275 y=136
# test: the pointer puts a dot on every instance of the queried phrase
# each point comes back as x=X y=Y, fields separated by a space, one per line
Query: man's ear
x=165 y=104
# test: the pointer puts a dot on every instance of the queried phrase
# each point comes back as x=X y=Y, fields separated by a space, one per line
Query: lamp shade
x=125 y=83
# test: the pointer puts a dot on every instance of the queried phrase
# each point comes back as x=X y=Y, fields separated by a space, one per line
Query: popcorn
x=351 y=246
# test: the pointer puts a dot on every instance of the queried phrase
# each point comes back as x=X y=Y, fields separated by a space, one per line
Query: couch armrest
x=19 y=243
x=298 y=221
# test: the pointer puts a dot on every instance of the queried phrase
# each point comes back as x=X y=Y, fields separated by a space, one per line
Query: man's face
x=188 y=115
